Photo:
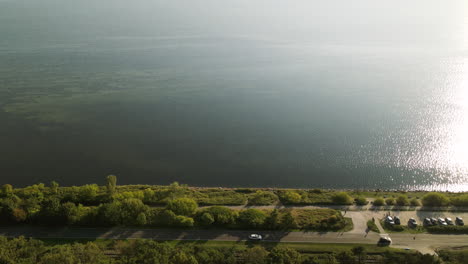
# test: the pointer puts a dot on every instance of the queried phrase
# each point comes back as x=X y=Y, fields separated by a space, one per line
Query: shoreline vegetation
x=181 y=206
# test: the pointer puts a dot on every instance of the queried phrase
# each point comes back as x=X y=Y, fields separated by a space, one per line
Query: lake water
x=334 y=94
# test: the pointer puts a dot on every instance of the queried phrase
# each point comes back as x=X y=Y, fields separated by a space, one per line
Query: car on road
x=459 y=221
x=449 y=221
x=255 y=237
x=427 y=222
x=433 y=221
x=397 y=220
x=389 y=220
x=441 y=222
x=412 y=222
x=384 y=241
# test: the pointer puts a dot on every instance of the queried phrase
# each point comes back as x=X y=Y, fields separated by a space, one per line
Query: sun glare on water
x=451 y=154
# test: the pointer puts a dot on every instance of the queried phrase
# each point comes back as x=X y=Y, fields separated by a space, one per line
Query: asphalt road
x=426 y=243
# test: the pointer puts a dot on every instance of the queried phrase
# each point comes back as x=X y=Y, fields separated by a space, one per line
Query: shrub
x=221 y=197
x=206 y=219
x=291 y=197
x=448 y=229
x=435 y=199
x=402 y=200
x=361 y=201
x=415 y=202
x=379 y=202
x=461 y=200
x=390 y=201
x=263 y=198
x=183 y=221
x=342 y=198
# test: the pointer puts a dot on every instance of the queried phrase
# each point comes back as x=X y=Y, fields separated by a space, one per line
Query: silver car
x=442 y=222
x=255 y=237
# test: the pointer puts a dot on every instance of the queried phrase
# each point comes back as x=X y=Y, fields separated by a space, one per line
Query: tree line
x=28 y=251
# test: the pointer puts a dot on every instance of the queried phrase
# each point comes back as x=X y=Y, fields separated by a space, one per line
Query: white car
x=255 y=237
x=384 y=241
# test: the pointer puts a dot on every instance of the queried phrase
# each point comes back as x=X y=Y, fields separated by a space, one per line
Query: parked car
x=389 y=220
x=396 y=219
x=433 y=221
x=459 y=221
x=449 y=221
x=441 y=222
x=427 y=222
x=384 y=241
x=412 y=222
x=255 y=237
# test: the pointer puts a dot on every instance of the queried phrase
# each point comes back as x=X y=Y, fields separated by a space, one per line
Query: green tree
x=284 y=255
x=342 y=198
x=148 y=196
x=206 y=255
x=346 y=257
x=7 y=190
x=19 y=215
x=51 y=212
x=359 y=252
x=222 y=215
x=130 y=209
x=255 y=255
x=288 y=221
x=180 y=257
x=87 y=193
x=54 y=187
x=183 y=206
x=252 y=218
x=111 y=184
x=183 y=221
x=435 y=199
x=70 y=212
x=402 y=200
x=273 y=221
x=206 y=219
x=141 y=219
x=75 y=254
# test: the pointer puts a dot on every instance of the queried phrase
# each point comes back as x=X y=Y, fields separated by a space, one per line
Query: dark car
x=459 y=221
x=397 y=220
x=433 y=221
x=449 y=221
x=427 y=222
x=412 y=222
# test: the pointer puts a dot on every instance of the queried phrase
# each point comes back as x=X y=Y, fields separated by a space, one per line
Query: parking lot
x=419 y=216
